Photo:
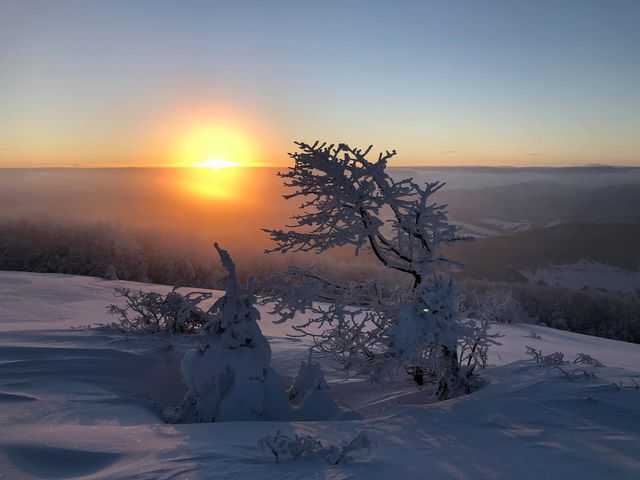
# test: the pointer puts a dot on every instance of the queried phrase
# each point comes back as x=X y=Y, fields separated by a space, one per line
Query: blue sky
x=479 y=82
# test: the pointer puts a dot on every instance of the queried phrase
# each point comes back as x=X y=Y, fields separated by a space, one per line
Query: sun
x=216 y=163
x=215 y=146
x=214 y=154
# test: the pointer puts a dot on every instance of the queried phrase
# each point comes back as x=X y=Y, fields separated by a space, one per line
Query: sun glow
x=216 y=163
x=215 y=182
x=215 y=146
x=215 y=153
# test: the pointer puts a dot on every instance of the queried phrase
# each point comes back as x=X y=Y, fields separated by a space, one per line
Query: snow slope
x=84 y=403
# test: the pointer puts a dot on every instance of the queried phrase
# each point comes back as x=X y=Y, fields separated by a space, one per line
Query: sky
x=164 y=83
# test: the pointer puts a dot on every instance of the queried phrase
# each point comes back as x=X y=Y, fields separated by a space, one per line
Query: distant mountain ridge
x=538 y=204
x=504 y=257
x=578 y=169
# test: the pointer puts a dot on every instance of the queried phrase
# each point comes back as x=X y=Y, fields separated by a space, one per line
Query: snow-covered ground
x=585 y=273
x=85 y=402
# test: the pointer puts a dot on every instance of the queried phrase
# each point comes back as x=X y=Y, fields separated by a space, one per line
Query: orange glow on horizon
x=216 y=163
x=215 y=183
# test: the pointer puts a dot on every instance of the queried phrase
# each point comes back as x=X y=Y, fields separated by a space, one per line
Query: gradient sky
x=97 y=83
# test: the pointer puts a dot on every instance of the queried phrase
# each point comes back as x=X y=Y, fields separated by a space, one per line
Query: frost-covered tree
x=497 y=305
x=228 y=375
x=349 y=200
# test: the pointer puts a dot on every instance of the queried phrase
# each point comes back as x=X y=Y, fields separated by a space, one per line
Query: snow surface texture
x=85 y=403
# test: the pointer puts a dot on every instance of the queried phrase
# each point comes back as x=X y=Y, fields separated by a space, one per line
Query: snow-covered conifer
x=228 y=375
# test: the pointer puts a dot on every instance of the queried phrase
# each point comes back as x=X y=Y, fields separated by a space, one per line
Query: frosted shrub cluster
x=588 y=311
x=298 y=446
x=155 y=313
x=497 y=305
x=281 y=445
x=569 y=369
x=557 y=358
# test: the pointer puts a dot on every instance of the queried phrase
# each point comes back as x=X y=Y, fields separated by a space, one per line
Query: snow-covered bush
x=533 y=353
x=474 y=349
x=228 y=375
x=298 y=446
x=532 y=334
x=152 y=312
x=345 y=452
x=585 y=359
x=348 y=200
x=283 y=445
x=557 y=358
x=425 y=337
x=573 y=374
x=309 y=394
x=555 y=361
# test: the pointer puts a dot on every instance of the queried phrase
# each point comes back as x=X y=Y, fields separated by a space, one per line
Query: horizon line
x=477 y=167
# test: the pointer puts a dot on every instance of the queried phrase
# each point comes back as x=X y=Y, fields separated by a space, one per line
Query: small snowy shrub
x=587 y=360
x=309 y=394
x=575 y=374
x=228 y=376
x=155 y=313
x=309 y=378
x=533 y=334
x=557 y=358
x=474 y=349
x=299 y=446
x=556 y=362
x=534 y=354
x=346 y=452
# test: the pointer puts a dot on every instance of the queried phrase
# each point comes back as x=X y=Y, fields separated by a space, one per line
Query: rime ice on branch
x=228 y=376
x=348 y=199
